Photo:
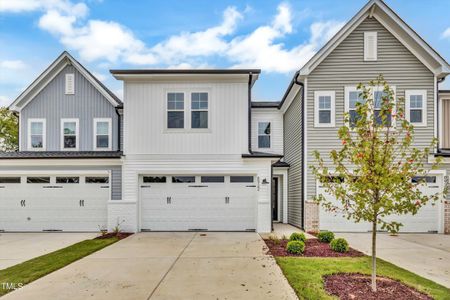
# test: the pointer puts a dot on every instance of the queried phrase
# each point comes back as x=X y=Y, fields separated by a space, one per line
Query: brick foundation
x=312 y=216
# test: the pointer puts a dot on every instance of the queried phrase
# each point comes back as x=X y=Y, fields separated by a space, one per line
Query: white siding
x=275 y=117
x=145 y=119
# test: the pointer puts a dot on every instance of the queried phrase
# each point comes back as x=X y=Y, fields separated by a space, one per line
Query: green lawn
x=305 y=275
x=35 y=268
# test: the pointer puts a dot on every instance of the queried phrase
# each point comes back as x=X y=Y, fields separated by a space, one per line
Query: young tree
x=370 y=177
x=9 y=130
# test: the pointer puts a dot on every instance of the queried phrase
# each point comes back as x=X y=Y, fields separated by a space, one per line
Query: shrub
x=295 y=247
x=339 y=245
x=298 y=236
x=325 y=236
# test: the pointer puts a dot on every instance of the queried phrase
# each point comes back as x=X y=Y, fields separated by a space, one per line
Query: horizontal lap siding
x=345 y=66
x=293 y=122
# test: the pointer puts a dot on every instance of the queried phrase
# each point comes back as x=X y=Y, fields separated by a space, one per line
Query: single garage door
x=426 y=220
x=53 y=202
x=220 y=203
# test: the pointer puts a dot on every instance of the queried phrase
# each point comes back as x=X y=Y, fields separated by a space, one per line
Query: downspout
x=250 y=79
x=437 y=112
x=119 y=136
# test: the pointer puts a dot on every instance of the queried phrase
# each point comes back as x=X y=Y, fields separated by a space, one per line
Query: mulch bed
x=349 y=286
x=313 y=248
x=120 y=235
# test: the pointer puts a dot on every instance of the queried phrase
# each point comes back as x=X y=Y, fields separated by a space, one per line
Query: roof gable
x=51 y=72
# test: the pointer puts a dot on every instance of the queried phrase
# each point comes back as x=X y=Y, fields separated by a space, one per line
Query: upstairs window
x=175 y=110
x=199 y=110
x=324 y=109
x=70 y=84
x=69 y=134
x=36 y=134
x=102 y=134
x=352 y=97
x=378 y=97
x=370 y=46
x=416 y=107
x=264 y=135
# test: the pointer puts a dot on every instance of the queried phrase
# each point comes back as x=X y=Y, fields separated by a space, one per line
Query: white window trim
x=44 y=134
x=191 y=110
x=348 y=89
x=77 y=134
x=367 y=34
x=270 y=135
x=332 y=95
x=185 y=110
x=66 y=90
x=109 y=121
x=408 y=94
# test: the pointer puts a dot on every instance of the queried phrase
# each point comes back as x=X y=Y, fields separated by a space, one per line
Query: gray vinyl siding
x=293 y=148
x=53 y=105
x=121 y=132
x=345 y=67
x=116 y=174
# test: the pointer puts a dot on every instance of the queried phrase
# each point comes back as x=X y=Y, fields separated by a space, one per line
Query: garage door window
x=240 y=179
x=10 y=180
x=213 y=179
x=424 y=179
x=154 y=179
x=38 y=180
x=98 y=180
x=67 y=180
x=183 y=179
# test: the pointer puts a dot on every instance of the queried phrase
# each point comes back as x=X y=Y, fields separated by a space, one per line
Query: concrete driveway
x=19 y=247
x=427 y=255
x=169 y=266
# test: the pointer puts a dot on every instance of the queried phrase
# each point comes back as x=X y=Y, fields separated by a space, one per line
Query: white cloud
x=12 y=64
x=100 y=76
x=18 y=6
x=446 y=34
x=4 y=101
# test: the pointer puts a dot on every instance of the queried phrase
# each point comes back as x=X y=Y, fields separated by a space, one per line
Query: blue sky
x=276 y=36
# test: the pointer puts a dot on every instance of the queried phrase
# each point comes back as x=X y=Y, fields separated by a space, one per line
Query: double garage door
x=202 y=202
x=75 y=202
x=426 y=220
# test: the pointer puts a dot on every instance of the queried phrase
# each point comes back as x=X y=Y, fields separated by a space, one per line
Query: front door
x=275 y=199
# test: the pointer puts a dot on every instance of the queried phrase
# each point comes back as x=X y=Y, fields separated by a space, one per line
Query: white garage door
x=426 y=220
x=53 y=202
x=221 y=203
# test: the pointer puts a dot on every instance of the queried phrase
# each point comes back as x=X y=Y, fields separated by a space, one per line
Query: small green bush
x=339 y=245
x=325 y=236
x=298 y=236
x=295 y=247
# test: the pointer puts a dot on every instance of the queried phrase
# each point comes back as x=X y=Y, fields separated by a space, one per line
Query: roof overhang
x=50 y=73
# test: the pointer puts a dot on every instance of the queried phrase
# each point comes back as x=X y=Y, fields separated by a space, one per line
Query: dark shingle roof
x=256 y=154
x=60 y=154
x=281 y=164
x=265 y=104
x=185 y=71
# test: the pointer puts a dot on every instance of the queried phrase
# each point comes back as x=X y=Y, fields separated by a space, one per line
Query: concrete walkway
x=19 y=247
x=427 y=255
x=168 y=266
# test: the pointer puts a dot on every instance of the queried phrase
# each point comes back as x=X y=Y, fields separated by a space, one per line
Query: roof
x=404 y=33
x=281 y=164
x=60 y=154
x=54 y=69
x=256 y=154
x=185 y=71
x=444 y=91
x=265 y=104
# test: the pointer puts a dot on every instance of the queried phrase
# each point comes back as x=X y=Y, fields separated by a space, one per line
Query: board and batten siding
x=146 y=117
x=293 y=148
x=345 y=66
x=116 y=174
x=52 y=104
x=275 y=117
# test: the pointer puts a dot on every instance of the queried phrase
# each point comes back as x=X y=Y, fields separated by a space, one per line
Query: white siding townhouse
x=190 y=150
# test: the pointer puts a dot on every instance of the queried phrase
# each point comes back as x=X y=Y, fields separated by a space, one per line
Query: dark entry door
x=275 y=199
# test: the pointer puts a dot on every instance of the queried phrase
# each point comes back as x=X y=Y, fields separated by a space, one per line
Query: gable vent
x=370 y=46
x=70 y=84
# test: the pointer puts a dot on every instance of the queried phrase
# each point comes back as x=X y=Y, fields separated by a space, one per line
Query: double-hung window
x=352 y=97
x=175 y=110
x=69 y=134
x=416 y=107
x=36 y=134
x=199 y=110
x=378 y=98
x=102 y=134
x=264 y=135
x=324 y=109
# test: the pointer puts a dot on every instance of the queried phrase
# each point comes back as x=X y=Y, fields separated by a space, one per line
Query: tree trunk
x=374 y=256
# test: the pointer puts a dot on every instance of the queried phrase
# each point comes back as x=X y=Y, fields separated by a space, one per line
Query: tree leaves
x=9 y=130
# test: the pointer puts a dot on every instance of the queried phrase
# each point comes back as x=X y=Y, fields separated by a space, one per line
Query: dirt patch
x=348 y=286
x=120 y=235
x=313 y=248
